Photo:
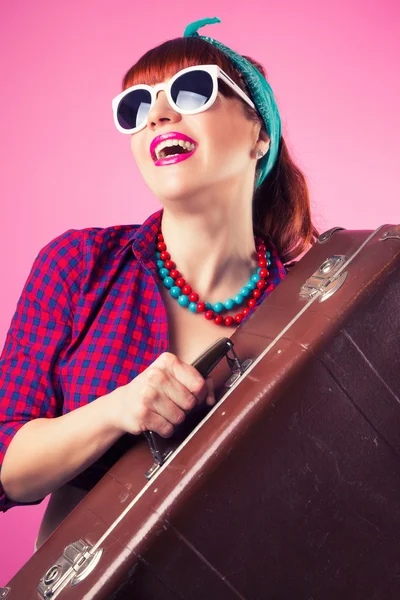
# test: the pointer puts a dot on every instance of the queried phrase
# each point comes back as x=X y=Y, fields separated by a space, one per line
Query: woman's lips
x=170 y=135
x=171 y=160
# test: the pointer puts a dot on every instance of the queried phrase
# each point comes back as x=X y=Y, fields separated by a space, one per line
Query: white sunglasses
x=190 y=91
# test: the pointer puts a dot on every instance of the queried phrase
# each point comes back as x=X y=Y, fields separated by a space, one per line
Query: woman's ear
x=263 y=134
x=263 y=141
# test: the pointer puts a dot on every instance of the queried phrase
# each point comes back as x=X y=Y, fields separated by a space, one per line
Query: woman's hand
x=160 y=396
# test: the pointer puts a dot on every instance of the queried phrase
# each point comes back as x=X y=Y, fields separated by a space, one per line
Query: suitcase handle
x=205 y=363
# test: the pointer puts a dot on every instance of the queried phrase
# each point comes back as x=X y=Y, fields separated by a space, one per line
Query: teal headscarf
x=260 y=91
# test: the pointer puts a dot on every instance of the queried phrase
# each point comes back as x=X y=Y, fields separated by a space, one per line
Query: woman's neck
x=214 y=249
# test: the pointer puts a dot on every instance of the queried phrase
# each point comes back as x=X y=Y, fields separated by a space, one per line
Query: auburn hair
x=281 y=204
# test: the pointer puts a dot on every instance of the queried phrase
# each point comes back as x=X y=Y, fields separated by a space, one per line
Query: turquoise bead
x=209 y=306
x=245 y=292
x=255 y=278
x=238 y=299
x=251 y=285
x=268 y=254
x=183 y=300
x=218 y=307
x=268 y=263
x=175 y=291
x=193 y=307
x=160 y=264
x=158 y=255
x=229 y=304
x=164 y=273
x=168 y=282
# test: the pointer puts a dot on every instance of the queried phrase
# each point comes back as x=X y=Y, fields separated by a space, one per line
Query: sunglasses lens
x=133 y=109
x=192 y=90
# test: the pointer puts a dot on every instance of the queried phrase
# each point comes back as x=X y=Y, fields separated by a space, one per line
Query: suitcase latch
x=324 y=237
x=391 y=234
x=72 y=566
x=326 y=280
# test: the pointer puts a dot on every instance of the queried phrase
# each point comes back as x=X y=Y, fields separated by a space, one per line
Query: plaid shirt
x=90 y=318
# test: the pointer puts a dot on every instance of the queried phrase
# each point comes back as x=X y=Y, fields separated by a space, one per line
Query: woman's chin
x=175 y=187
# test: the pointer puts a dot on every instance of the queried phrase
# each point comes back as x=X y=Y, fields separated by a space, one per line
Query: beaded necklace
x=187 y=298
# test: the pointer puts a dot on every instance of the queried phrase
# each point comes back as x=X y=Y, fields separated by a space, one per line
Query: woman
x=100 y=346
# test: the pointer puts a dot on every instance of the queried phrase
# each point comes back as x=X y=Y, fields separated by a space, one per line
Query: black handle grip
x=208 y=360
x=205 y=363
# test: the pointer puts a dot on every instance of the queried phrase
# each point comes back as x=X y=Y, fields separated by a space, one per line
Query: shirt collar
x=143 y=240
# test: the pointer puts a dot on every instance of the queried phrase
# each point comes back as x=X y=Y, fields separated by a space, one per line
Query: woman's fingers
x=187 y=376
x=159 y=398
x=210 y=399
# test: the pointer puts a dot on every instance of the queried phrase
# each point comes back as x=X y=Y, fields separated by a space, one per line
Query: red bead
x=228 y=320
x=165 y=255
x=261 y=284
x=251 y=302
x=209 y=314
x=238 y=318
x=262 y=248
x=256 y=293
x=262 y=262
x=200 y=306
x=174 y=274
x=180 y=282
x=218 y=319
x=260 y=254
x=169 y=264
x=263 y=273
x=245 y=311
x=187 y=290
x=161 y=246
x=194 y=298
x=160 y=237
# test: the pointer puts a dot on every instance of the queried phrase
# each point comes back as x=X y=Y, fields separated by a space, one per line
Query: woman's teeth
x=160 y=152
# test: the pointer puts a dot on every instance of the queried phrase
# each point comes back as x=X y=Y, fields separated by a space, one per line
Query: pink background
x=334 y=70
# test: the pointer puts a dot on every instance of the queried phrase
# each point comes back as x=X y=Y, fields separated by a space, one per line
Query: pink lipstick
x=170 y=160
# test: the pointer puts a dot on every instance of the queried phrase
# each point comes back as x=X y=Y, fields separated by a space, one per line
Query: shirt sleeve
x=36 y=342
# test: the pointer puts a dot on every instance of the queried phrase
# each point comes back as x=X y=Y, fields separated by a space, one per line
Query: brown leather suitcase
x=290 y=486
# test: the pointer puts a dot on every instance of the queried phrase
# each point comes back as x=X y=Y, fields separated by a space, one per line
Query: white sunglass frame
x=214 y=70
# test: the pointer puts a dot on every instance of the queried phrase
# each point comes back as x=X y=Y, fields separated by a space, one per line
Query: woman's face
x=226 y=144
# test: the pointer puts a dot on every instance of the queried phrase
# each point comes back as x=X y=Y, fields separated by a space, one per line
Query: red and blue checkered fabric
x=90 y=318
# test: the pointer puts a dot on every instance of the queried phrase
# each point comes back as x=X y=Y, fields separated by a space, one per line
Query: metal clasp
x=72 y=566
x=391 y=234
x=324 y=237
x=237 y=367
x=324 y=281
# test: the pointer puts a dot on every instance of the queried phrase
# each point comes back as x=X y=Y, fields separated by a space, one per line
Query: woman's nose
x=162 y=112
